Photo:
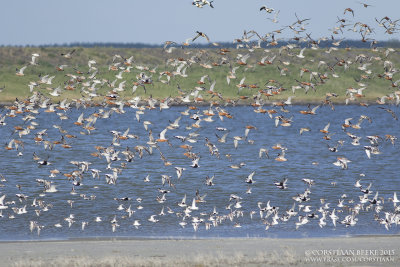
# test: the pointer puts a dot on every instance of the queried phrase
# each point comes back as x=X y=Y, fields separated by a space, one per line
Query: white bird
x=249 y=178
x=394 y=200
x=263 y=151
x=195 y=162
x=56 y=91
x=194 y=207
x=2 y=206
x=136 y=223
x=333 y=217
x=267 y=9
x=182 y=204
x=300 y=55
x=179 y=171
x=33 y=60
x=20 y=72
x=153 y=219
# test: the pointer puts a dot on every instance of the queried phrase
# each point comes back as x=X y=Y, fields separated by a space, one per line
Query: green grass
x=50 y=58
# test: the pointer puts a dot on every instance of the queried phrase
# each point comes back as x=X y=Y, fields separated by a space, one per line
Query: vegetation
x=309 y=78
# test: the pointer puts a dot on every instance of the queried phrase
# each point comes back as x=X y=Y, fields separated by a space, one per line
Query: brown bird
x=349 y=10
x=364 y=4
x=200 y=34
x=390 y=111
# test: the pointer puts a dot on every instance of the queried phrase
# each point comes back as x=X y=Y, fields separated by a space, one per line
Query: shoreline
x=335 y=251
x=240 y=102
x=186 y=238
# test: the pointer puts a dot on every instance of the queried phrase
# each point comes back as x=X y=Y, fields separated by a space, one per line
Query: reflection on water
x=308 y=157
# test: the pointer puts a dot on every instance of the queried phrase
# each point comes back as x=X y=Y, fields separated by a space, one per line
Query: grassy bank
x=339 y=70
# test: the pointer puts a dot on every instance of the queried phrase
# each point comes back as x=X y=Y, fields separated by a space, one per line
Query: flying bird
x=200 y=34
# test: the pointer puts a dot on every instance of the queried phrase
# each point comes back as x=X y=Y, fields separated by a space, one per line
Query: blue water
x=331 y=182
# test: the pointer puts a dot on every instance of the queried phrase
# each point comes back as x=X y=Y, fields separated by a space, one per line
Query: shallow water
x=331 y=182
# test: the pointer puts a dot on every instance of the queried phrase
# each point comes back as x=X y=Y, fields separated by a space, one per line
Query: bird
x=202 y=3
x=20 y=72
x=136 y=224
x=249 y=178
x=267 y=9
x=390 y=111
x=68 y=54
x=195 y=162
x=304 y=129
x=281 y=156
x=179 y=171
x=162 y=137
x=222 y=139
x=281 y=184
x=34 y=59
x=325 y=130
x=153 y=219
x=263 y=151
x=300 y=55
x=2 y=204
x=349 y=10
x=86 y=100
x=395 y=200
x=193 y=206
x=200 y=34
x=209 y=180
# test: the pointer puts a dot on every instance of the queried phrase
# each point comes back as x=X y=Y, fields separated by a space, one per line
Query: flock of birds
x=125 y=149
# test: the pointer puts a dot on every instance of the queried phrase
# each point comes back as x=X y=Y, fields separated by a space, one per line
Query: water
x=331 y=182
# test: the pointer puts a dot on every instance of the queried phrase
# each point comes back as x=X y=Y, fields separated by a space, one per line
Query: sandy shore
x=346 y=251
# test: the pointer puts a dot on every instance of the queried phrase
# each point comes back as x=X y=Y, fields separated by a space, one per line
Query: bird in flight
x=200 y=34
x=201 y=3
x=267 y=9
x=69 y=54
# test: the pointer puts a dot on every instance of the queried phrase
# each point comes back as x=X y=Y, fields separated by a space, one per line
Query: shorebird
x=153 y=219
x=342 y=162
x=193 y=206
x=179 y=171
x=249 y=178
x=136 y=224
x=222 y=139
x=68 y=54
x=282 y=184
x=325 y=130
x=281 y=156
x=2 y=205
x=34 y=59
x=209 y=180
x=333 y=217
x=349 y=10
x=200 y=34
x=263 y=151
x=267 y=9
x=162 y=137
x=300 y=55
x=202 y=3
x=309 y=182
x=20 y=72
x=395 y=200
x=195 y=162
x=304 y=129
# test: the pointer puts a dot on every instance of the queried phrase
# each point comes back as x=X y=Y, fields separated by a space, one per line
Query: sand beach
x=342 y=251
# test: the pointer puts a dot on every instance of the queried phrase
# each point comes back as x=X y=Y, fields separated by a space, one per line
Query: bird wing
x=197 y=36
x=327 y=126
x=2 y=200
x=162 y=134
x=314 y=109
